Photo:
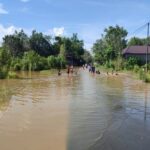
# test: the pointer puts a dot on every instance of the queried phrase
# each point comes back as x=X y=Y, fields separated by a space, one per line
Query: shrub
x=141 y=74
x=51 y=60
x=136 y=68
x=33 y=62
x=16 y=64
x=144 y=76
x=12 y=75
x=131 y=62
x=3 y=73
x=147 y=78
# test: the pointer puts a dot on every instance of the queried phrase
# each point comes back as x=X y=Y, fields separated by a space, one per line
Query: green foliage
x=115 y=38
x=87 y=57
x=56 y=62
x=147 y=78
x=110 y=46
x=38 y=52
x=136 y=68
x=51 y=62
x=141 y=74
x=17 y=43
x=135 y=41
x=16 y=64
x=5 y=60
x=3 y=73
x=60 y=62
x=131 y=62
x=71 y=49
x=144 y=76
x=40 y=44
x=12 y=75
x=31 y=61
x=138 y=41
x=30 y=53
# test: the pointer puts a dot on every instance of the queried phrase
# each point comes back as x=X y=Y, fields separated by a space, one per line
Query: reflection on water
x=109 y=113
x=42 y=111
x=5 y=96
x=37 y=112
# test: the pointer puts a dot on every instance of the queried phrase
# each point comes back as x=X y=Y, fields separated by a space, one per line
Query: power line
x=145 y=26
x=139 y=29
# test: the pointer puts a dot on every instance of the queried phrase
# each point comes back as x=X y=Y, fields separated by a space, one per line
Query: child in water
x=59 y=72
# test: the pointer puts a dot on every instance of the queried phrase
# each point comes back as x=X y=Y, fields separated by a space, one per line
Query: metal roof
x=136 y=50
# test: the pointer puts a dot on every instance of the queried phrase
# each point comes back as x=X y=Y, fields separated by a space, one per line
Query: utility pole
x=147 y=53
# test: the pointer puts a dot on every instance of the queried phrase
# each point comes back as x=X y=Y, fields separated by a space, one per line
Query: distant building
x=137 y=51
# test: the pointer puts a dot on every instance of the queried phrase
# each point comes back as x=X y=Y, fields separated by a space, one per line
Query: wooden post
x=147 y=53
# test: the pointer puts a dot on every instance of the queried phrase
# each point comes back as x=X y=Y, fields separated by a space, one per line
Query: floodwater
x=42 y=111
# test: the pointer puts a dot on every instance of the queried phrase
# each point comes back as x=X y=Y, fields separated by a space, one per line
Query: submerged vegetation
x=20 y=52
x=39 y=52
x=108 y=52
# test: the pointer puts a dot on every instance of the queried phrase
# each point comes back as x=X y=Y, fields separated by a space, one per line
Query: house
x=138 y=52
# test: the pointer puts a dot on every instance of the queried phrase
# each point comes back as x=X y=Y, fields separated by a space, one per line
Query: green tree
x=40 y=44
x=5 y=60
x=98 y=49
x=17 y=43
x=115 y=38
x=33 y=62
x=14 y=44
x=87 y=57
x=74 y=49
x=110 y=46
x=136 y=41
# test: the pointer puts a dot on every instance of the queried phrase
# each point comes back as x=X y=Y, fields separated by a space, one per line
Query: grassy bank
x=137 y=72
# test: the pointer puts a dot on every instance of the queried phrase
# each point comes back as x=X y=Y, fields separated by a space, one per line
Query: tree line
x=108 y=49
x=40 y=52
x=108 y=52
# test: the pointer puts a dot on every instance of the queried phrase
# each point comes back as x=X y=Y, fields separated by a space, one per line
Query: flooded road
x=80 y=112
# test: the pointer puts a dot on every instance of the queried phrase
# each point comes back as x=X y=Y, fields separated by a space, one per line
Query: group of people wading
x=93 y=70
x=70 y=70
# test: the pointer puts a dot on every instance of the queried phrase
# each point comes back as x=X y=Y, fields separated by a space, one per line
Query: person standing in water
x=68 y=69
x=71 y=69
x=93 y=69
x=59 y=72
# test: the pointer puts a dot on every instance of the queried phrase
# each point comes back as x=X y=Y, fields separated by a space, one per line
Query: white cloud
x=59 y=31
x=24 y=10
x=24 y=1
x=2 y=10
x=56 y=31
x=10 y=30
x=6 y=31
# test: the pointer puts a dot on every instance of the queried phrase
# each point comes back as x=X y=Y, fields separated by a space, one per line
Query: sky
x=88 y=18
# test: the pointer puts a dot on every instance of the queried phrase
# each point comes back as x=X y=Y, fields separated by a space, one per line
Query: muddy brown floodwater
x=81 y=112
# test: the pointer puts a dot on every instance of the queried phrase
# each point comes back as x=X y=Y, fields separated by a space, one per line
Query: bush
x=147 y=78
x=16 y=64
x=33 y=62
x=144 y=76
x=51 y=60
x=56 y=62
x=3 y=73
x=136 y=68
x=12 y=75
x=60 y=62
x=141 y=74
x=131 y=62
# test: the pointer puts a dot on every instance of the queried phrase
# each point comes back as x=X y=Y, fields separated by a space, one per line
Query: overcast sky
x=88 y=18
